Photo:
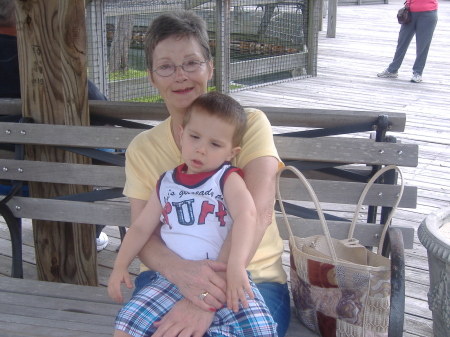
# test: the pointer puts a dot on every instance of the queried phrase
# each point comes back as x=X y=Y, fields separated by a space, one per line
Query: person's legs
x=275 y=295
x=426 y=24
x=277 y=299
x=147 y=306
x=405 y=36
x=255 y=320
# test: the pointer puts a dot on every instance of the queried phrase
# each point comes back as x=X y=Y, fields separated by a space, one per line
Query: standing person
x=179 y=66
x=198 y=203
x=10 y=78
x=424 y=19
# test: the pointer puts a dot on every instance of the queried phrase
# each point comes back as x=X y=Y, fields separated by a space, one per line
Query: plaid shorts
x=158 y=297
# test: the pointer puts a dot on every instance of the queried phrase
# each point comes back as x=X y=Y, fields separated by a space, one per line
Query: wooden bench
x=338 y=166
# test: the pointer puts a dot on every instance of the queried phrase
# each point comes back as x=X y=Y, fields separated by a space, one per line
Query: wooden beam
x=332 y=14
x=278 y=116
x=313 y=36
x=222 y=59
x=52 y=58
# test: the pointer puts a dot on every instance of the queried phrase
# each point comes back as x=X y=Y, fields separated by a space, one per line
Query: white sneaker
x=416 y=78
x=386 y=73
x=102 y=241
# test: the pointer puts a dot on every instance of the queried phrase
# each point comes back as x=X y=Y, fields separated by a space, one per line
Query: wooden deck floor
x=347 y=66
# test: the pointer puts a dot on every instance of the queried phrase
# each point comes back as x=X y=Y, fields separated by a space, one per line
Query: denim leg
x=277 y=298
x=143 y=279
x=405 y=36
x=426 y=24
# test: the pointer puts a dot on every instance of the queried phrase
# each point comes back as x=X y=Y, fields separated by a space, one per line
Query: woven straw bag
x=339 y=287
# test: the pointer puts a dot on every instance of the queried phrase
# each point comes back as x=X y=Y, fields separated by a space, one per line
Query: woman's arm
x=260 y=179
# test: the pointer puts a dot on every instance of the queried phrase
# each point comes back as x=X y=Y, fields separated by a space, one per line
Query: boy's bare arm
x=242 y=209
x=133 y=242
x=260 y=177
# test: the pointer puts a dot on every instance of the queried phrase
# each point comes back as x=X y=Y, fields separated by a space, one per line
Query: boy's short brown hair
x=223 y=107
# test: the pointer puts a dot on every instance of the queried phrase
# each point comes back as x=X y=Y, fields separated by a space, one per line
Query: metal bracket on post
x=380 y=128
x=390 y=177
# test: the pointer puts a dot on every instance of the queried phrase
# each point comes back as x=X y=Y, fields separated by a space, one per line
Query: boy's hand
x=237 y=285
x=118 y=276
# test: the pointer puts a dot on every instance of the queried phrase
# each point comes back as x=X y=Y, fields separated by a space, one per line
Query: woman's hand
x=196 y=277
x=185 y=319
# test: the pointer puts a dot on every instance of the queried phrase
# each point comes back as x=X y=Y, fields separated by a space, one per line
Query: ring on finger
x=203 y=295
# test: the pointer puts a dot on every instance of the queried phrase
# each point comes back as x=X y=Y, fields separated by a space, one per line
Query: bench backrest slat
x=100 y=213
x=368 y=234
x=278 y=116
x=63 y=173
x=343 y=192
x=347 y=150
x=335 y=149
x=63 y=135
x=118 y=214
x=111 y=176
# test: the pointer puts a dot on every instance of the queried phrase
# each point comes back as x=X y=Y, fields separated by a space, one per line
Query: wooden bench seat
x=337 y=164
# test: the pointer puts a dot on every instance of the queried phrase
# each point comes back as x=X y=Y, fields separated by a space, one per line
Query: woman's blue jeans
x=275 y=294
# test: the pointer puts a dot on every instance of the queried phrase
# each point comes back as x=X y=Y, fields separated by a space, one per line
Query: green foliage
x=126 y=75
x=151 y=99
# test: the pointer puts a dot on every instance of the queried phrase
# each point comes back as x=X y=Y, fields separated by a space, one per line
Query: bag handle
x=316 y=203
x=357 y=210
x=363 y=196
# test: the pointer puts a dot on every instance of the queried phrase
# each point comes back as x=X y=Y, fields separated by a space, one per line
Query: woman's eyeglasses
x=168 y=69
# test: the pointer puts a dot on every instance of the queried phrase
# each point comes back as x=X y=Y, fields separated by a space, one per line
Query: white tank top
x=195 y=217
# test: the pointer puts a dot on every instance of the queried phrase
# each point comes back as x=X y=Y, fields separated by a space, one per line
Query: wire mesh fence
x=264 y=42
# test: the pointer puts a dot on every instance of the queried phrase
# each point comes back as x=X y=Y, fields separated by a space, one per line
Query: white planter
x=438 y=249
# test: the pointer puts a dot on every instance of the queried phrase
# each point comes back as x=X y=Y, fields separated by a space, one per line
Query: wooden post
x=222 y=59
x=332 y=13
x=322 y=4
x=52 y=57
x=313 y=36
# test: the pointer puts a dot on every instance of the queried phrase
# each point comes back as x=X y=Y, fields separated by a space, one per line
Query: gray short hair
x=7 y=13
x=178 y=24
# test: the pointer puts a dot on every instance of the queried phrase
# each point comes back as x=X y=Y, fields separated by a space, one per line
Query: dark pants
x=422 y=25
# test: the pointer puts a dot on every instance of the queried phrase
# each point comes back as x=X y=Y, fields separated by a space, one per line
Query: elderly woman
x=179 y=65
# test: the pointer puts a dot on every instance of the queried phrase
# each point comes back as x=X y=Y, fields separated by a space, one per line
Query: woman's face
x=181 y=88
